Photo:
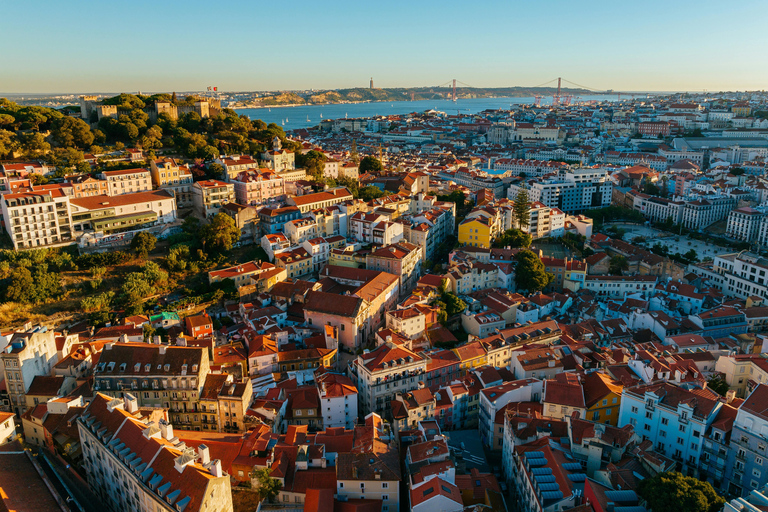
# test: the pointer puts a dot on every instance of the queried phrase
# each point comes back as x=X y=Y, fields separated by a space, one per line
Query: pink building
x=258 y=187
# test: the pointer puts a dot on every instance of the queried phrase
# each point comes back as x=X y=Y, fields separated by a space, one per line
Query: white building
x=675 y=419
x=127 y=181
x=29 y=353
x=136 y=463
x=38 y=218
x=338 y=400
x=576 y=190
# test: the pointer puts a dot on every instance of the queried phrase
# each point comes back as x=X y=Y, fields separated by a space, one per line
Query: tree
x=737 y=171
x=69 y=131
x=268 y=487
x=514 y=238
x=718 y=385
x=673 y=491
x=370 y=164
x=215 y=171
x=370 y=192
x=313 y=161
x=143 y=243
x=522 y=208
x=20 y=288
x=221 y=234
x=618 y=265
x=530 y=273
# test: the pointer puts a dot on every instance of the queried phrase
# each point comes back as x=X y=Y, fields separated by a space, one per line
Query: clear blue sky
x=105 y=46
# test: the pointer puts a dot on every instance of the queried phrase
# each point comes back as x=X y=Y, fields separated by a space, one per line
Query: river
x=293 y=118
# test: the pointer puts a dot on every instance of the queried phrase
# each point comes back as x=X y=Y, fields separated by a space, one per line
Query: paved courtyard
x=474 y=455
x=674 y=243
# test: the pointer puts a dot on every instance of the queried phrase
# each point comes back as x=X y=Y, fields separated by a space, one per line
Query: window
x=681 y=428
x=385 y=485
x=634 y=409
x=384 y=497
x=664 y=421
x=756 y=472
x=649 y=415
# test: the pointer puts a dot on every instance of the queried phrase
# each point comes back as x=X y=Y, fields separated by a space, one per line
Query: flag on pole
x=215 y=88
x=209 y=87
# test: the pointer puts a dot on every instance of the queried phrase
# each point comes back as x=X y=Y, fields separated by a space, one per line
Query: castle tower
x=371 y=82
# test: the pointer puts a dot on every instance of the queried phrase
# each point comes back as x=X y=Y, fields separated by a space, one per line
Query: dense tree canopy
x=220 y=234
x=143 y=243
x=673 y=491
x=370 y=164
x=514 y=238
x=618 y=265
x=530 y=273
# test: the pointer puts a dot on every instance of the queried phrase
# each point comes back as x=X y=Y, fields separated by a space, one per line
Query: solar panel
x=549 y=487
x=541 y=471
x=534 y=455
x=537 y=462
x=572 y=466
x=552 y=495
x=624 y=496
x=577 y=477
x=544 y=479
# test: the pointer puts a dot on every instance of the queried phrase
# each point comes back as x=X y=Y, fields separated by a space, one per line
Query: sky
x=79 y=46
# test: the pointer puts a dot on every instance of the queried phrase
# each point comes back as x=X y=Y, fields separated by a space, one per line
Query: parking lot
x=674 y=243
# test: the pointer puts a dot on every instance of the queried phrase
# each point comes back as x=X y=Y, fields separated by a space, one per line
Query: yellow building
x=296 y=263
x=347 y=257
x=602 y=397
x=476 y=232
x=471 y=355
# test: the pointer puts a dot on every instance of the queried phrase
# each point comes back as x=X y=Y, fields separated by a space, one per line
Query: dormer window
x=147 y=367
x=167 y=367
x=137 y=367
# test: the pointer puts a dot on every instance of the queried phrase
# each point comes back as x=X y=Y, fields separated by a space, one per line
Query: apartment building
x=30 y=353
x=741 y=274
x=338 y=400
x=744 y=223
x=402 y=259
x=83 y=185
x=674 y=418
x=168 y=175
x=373 y=228
x=300 y=230
x=528 y=168
x=621 y=286
x=134 y=462
x=224 y=402
x=127 y=181
x=493 y=401
x=210 y=195
x=124 y=212
x=234 y=165
x=261 y=186
x=544 y=221
x=570 y=192
x=157 y=376
x=330 y=197
x=38 y=218
x=381 y=374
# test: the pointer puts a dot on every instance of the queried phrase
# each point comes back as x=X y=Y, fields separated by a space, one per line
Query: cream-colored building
x=210 y=195
x=168 y=175
x=134 y=463
x=127 y=181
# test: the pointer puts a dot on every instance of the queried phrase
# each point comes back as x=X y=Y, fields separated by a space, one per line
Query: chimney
x=131 y=404
x=162 y=350
x=729 y=396
x=354 y=472
x=215 y=468
x=204 y=454
x=166 y=430
x=156 y=340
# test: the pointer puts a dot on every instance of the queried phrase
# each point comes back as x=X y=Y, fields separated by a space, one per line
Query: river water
x=293 y=118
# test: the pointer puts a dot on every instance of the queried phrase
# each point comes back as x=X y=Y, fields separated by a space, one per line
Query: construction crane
x=378 y=148
x=537 y=100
